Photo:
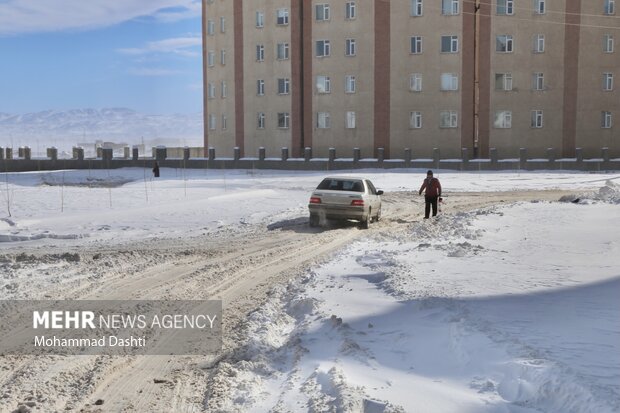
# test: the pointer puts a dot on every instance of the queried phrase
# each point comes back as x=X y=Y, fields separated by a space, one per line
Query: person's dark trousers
x=431 y=201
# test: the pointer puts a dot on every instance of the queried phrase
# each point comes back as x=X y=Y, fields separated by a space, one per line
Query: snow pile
x=266 y=352
x=86 y=181
x=510 y=308
x=38 y=236
x=609 y=193
x=271 y=359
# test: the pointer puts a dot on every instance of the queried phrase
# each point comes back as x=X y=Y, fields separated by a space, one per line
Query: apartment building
x=418 y=74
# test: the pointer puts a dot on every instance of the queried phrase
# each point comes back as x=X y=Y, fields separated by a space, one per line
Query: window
x=417 y=8
x=449 y=81
x=322 y=48
x=505 y=7
x=323 y=120
x=321 y=12
x=223 y=56
x=345 y=184
x=606 y=121
x=260 y=52
x=283 y=86
x=503 y=43
x=282 y=17
x=349 y=49
x=211 y=90
x=260 y=120
x=323 y=84
x=537 y=119
x=448 y=119
x=349 y=84
x=415 y=120
x=610 y=7
x=223 y=24
x=416 y=44
x=503 y=81
x=282 y=51
x=260 y=87
x=350 y=11
x=608 y=43
x=449 y=44
x=415 y=82
x=539 y=6
x=224 y=89
x=211 y=58
x=503 y=119
x=224 y=122
x=539 y=43
x=210 y=27
x=538 y=81
x=371 y=188
x=260 y=19
x=350 y=120
x=212 y=122
x=449 y=7
x=283 y=120
x=608 y=81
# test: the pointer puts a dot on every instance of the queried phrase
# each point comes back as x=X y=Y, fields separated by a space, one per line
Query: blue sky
x=73 y=54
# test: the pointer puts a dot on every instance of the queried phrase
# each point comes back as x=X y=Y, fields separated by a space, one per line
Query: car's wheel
x=366 y=220
x=314 y=220
x=378 y=216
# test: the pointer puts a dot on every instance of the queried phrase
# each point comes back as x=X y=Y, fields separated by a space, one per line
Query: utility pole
x=476 y=78
x=301 y=87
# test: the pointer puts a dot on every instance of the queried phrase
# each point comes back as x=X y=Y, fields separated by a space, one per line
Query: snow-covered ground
x=128 y=203
x=511 y=307
x=508 y=309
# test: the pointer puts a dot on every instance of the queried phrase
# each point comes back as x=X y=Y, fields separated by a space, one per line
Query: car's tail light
x=315 y=200
x=357 y=202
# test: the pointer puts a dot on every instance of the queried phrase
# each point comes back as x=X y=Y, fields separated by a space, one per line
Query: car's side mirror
x=379 y=192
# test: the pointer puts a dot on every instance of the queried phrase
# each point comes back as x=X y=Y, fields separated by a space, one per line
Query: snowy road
x=445 y=300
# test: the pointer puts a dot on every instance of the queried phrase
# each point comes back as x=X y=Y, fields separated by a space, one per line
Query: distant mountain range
x=67 y=128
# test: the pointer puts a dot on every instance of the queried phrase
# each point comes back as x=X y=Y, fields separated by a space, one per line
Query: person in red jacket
x=432 y=193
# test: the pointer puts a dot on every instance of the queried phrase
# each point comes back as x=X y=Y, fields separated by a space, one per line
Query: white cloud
x=171 y=15
x=32 y=16
x=182 y=46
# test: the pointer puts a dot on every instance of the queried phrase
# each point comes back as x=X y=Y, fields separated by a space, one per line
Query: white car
x=342 y=197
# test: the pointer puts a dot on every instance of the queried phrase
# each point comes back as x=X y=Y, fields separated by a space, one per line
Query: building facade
x=418 y=74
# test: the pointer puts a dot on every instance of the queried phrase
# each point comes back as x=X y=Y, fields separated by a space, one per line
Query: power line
x=512 y=17
x=607 y=16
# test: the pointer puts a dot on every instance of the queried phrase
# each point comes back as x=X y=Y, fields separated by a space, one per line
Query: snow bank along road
x=239 y=266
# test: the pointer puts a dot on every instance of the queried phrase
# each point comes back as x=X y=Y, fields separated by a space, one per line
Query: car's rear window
x=341 y=185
